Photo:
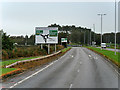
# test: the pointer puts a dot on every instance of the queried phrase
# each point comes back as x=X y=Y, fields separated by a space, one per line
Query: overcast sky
x=21 y=18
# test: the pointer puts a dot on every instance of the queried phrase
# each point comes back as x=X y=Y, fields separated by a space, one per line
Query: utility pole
x=101 y=15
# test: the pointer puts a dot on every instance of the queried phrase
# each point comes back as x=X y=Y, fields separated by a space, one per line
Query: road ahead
x=78 y=68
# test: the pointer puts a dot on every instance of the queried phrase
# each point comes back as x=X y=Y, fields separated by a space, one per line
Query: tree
x=7 y=43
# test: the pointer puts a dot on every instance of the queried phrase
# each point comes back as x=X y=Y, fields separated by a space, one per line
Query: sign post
x=41 y=46
x=55 y=47
x=46 y=35
x=48 y=48
x=64 y=41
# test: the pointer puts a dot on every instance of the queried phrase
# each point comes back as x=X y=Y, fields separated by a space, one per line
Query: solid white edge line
x=110 y=65
x=117 y=72
x=32 y=74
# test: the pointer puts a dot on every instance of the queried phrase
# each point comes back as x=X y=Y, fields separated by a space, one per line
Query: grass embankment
x=8 y=62
x=65 y=49
x=15 y=70
x=108 y=54
x=6 y=70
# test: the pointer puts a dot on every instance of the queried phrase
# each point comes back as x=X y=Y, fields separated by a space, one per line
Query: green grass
x=65 y=49
x=4 y=63
x=110 y=54
x=6 y=70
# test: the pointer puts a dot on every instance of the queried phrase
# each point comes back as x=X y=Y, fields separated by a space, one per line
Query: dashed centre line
x=89 y=55
x=70 y=86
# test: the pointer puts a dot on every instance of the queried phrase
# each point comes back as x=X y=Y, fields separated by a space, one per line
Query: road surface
x=78 y=68
x=111 y=49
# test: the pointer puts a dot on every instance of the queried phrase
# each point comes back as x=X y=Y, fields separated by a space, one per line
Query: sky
x=21 y=18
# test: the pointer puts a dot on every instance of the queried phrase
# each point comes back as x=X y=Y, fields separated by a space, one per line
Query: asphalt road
x=110 y=49
x=78 y=68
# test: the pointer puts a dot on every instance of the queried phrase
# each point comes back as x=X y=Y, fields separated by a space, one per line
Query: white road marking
x=108 y=64
x=95 y=57
x=80 y=62
x=32 y=74
x=89 y=55
x=111 y=66
x=117 y=72
x=72 y=56
x=78 y=70
x=70 y=86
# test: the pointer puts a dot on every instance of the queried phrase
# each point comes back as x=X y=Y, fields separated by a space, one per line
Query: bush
x=7 y=43
x=28 y=51
x=4 y=55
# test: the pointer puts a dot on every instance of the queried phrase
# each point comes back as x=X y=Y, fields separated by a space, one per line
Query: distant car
x=103 y=45
x=107 y=45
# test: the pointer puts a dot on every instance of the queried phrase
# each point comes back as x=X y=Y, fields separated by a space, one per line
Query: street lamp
x=94 y=31
x=84 y=37
x=90 y=37
x=101 y=26
x=115 y=27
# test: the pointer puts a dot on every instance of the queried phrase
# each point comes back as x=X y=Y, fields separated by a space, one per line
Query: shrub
x=4 y=55
x=27 y=51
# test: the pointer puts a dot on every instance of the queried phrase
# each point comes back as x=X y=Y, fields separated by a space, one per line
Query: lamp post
x=94 y=31
x=90 y=37
x=84 y=37
x=101 y=26
x=115 y=27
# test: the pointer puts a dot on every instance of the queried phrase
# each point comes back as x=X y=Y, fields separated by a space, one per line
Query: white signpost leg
x=48 y=48
x=41 y=46
x=55 y=47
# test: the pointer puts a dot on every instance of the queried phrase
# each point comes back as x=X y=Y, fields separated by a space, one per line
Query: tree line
x=78 y=35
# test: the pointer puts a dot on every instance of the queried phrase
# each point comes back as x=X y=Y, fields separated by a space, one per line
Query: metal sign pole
x=55 y=47
x=48 y=48
x=41 y=46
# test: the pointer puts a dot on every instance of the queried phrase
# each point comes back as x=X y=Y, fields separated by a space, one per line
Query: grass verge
x=4 y=63
x=6 y=70
x=65 y=49
x=108 y=54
